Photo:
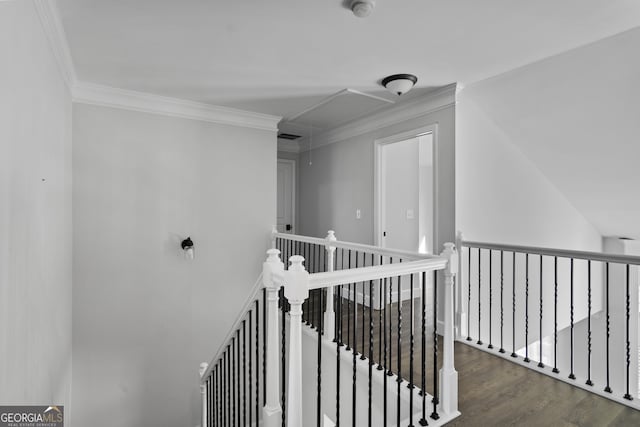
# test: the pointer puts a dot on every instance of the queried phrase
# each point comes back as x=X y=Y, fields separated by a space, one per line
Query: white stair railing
x=310 y=296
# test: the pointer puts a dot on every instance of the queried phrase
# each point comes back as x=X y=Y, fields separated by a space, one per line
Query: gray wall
x=35 y=214
x=144 y=316
x=340 y=180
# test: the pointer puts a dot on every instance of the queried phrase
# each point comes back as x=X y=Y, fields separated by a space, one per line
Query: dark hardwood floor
x=493 y=391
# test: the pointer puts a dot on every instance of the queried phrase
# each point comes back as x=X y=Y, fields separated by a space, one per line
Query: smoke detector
x=362 y=8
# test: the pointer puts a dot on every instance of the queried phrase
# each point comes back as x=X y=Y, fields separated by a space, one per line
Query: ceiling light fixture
x=399 y=83
x=362 y=8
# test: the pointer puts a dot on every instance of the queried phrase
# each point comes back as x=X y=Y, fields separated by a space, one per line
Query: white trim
x=294 y=164
x=378 y=197
x=94 y=94
x=420 y=106
x=53 y=29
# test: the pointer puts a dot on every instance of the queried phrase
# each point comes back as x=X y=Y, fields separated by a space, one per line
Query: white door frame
x=294 y=165
x=379 y=197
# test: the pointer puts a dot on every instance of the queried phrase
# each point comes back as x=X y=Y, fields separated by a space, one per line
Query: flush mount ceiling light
x=399 y=83
x=362 y=8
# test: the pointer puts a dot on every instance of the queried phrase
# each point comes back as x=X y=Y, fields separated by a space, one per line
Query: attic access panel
x=339 y=108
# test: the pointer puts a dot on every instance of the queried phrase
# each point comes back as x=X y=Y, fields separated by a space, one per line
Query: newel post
x=296 y=289
x=329 y=317
x=272 y=270
x=448 y=374
x=203 y=392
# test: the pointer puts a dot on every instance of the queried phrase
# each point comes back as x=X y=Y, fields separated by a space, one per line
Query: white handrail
x=354 y=246
x=560 y=253
x=376 y=272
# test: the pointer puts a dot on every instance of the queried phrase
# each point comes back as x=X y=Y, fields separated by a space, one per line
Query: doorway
x=286 y=196
x=405 y=191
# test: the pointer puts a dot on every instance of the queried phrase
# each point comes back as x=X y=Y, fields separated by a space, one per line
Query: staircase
x=346 y=333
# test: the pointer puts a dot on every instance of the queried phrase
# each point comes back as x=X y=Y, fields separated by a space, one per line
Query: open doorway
x=286 y=196
x=405 y=191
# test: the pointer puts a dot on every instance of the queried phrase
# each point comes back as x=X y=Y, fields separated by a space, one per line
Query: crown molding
x=105 y=96
x=288 y=146
x=53 y=29
x=429 y=103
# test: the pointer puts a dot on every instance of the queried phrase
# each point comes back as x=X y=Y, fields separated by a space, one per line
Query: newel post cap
x=451 y=255
x=273 y=265
x=296 y=280
x=331 y=237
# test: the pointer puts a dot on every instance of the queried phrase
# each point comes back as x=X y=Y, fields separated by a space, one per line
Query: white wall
x=341 y=180
x=35 y=214
x=503 y=197
x=144 y=316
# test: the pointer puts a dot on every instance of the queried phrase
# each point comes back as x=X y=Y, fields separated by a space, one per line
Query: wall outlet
x=410 y=214
x=358 y=214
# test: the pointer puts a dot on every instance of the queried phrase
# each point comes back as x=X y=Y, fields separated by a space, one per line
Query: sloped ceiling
x=577 y=117
x=283 y=56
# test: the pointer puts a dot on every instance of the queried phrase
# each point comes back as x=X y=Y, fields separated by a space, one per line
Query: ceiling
x=282 y=57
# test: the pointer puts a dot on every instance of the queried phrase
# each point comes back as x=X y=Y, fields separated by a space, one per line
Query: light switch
x=358 y=214
x=410 y=214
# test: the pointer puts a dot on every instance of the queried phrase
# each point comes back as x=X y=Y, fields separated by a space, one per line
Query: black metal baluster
x=411 y=349
x=217 y=391
x=380 y=285
x=501 y=302
x=423 y=364
x=608 y=387
x=238 y=388
x=490 y=298
x=319 y=402
x=384 y=338
x=250 y=368
x=225 y=389
x=244 y=372
x=627 y=395
x=370 y=343
x=479 y=298
x=264 y=347
x=513 y=316
x=353 y=355
x=555 y=316
x=338 y=344
x=571 y=375
x=341 y=329
x=349 y=309
x=589 y=382
x=469 y=296
x=389 y=365
x=399 y=350
x=435 y=400
x=362 y=353
x=257 y=362
x=283 y=367
x=526 y=310
x=233 y=379
x=540 y=364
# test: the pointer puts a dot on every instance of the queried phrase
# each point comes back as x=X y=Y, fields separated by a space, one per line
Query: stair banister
x=448 y=374
x=296 y=289
x=329 y=316
x=272 y=273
